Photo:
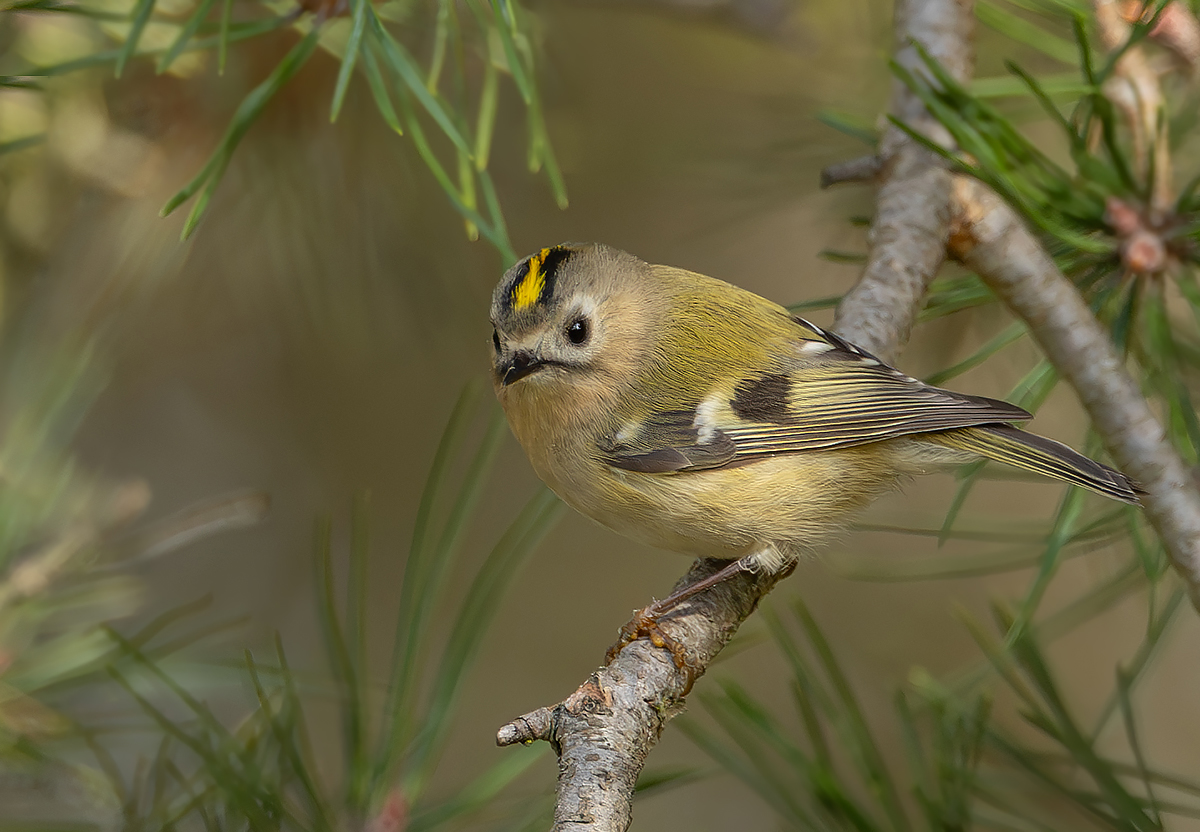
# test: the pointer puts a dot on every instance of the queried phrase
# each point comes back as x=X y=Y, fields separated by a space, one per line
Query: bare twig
x=862 y=169
x=909 y=231
x=34 y=574
x=992 y=241
x=195 y=522
x=604 y=730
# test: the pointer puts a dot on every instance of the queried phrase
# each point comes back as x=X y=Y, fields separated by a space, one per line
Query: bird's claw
x=644 y=624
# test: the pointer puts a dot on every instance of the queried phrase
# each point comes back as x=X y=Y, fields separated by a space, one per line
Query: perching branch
x=604 y=731
x=992 y=241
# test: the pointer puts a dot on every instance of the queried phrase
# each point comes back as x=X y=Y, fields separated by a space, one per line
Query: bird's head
x=570 y=315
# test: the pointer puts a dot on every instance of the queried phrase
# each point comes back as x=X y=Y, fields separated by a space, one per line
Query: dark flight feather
x=1040 y=455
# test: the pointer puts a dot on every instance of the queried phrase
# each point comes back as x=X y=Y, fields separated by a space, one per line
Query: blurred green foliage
x=62 y=542
x=264 y=773
x=472 y=46
x=261 y=774
x=963 y=768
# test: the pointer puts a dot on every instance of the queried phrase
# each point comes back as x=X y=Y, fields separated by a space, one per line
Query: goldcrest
x=687 y=413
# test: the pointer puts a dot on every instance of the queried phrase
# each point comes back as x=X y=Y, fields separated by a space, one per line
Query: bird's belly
x=793 y=503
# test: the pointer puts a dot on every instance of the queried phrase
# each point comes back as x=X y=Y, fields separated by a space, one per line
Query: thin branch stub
x=533 y=726
x=862 y=169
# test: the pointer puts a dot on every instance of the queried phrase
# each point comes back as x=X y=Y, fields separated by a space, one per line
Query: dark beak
x=522 y=363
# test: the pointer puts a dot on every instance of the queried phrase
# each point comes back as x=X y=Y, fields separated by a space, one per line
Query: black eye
x=496 y=339
x=577 y=331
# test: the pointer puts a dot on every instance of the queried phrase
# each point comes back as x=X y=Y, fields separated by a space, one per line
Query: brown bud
x=393 y=815
x=1177 y=28
x=1144 y=253
x=1122 y=216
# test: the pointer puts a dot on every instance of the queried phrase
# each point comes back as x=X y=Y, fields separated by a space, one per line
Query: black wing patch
x=764 y=399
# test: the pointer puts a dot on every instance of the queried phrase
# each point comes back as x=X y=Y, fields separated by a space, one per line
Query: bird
x=696 y=416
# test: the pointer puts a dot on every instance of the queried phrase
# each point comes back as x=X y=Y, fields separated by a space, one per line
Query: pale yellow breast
x=793 y=503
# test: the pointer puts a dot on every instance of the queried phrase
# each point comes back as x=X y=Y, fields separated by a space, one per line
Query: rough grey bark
x=912 y=216
x=604 y=730
x=990 y=239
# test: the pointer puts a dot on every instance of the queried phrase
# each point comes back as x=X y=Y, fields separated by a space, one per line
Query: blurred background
x=309 y=340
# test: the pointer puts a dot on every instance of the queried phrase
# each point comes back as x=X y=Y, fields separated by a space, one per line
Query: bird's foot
x=644 y=624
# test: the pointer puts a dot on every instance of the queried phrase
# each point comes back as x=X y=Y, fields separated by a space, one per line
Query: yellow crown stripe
x=529 y=290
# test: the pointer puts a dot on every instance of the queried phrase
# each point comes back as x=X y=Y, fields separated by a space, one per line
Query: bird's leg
x=645 y=621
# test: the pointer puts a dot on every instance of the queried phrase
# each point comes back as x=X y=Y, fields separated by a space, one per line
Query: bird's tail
x=1030 y=452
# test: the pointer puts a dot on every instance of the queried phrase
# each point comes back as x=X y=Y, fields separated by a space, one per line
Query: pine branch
x=990 y=239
